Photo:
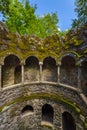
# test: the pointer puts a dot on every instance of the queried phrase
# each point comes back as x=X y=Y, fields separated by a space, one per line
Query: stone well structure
x=43 y=82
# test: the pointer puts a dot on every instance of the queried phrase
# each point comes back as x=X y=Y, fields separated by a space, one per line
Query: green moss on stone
x=27 y=45
x=54 y=97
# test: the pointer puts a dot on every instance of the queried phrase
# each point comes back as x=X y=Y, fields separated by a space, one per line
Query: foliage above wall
x=55 y=45
x=19 y=15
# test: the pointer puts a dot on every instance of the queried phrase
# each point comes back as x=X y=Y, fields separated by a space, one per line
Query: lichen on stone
x=51 y=45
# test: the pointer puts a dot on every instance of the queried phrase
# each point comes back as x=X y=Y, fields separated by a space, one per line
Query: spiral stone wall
x=48 y=93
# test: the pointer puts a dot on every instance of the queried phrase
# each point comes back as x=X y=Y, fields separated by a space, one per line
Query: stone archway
x=68 y=71
x=84 y=77
x=49 y=70
x=47 y=113
x=68 y=121
x=31 y=69
x=27 y=109
x=8 y=70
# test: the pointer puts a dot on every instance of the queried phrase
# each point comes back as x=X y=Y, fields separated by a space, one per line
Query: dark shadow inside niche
x=84 y=64
x=11 y=60
x=31 y=69
x=8 y=69
x=18 y=75
x=49 y=70
x=27 y=109
x=84 y=77
x=47 y=113
x=32 y=62
x=68 y=121
x=68 y=62
x=68 y=71
x=49 y=63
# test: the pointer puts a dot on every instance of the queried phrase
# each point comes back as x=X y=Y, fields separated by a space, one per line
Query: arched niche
x=47 y=113
x=84 y=77
x=8 y=70
x=68 y=121
x=31 y=69
x=68 y=71
x=27 y=110
x=49 y=70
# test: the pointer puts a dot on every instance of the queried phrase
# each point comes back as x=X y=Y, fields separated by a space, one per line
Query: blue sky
x=64 y=9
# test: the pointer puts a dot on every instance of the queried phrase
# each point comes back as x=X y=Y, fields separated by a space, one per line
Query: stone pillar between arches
x=22 y=74
x=79 y=78
x=40 y=64
x=58 y=73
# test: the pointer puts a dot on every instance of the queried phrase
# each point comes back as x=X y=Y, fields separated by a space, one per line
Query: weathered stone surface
x=30 y=78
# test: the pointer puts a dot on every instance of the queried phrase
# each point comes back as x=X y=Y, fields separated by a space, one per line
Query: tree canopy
x=20 y=16
x=81 y=10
